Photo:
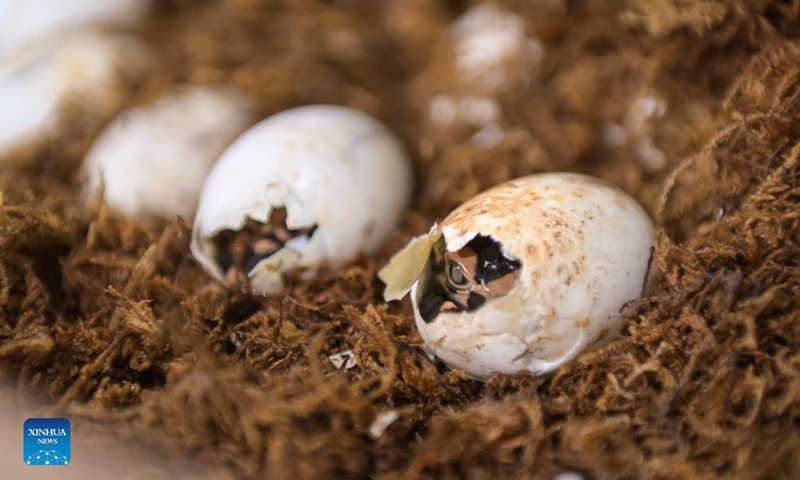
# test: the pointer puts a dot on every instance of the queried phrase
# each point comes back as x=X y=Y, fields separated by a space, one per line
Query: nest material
x=114 y=323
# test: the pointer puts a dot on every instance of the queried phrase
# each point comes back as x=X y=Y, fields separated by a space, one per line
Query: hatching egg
x=86 y=68
x=23 y=21
x=152 y=160
x=309 y=186
x=525 y=276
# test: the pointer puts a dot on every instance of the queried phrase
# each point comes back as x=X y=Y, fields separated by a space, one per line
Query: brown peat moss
x=112 y=324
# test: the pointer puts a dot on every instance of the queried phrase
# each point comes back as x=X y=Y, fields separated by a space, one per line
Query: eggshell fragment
x=24 y=21
x=402 y=273
x=337 y=174
x=583 y=247
x=86 y=67
x=152 y=161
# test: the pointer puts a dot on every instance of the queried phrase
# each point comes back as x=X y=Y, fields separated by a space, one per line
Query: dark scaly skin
x=256 y=241
x=465 y=280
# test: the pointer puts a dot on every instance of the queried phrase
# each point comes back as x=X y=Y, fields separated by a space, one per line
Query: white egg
x=487 y=40
x=24 y=21
x=309 y=186
x=152 y=161
x=36 y=81
x=527 y=275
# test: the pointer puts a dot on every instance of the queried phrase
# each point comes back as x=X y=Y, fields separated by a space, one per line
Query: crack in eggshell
x=535 y=353
x=268 y=275
x=277 y=195
x=482 y=340
x=329 y=166
x=545 y=355
x=455 y=239
x=408 y=266
x=571 y=277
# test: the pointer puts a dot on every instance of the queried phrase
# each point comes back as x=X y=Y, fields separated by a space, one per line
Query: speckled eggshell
x=152 y=160
x=584 y=247
x=329 y=166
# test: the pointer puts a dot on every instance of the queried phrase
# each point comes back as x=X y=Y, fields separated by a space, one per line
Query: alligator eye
x=456 y=275
x=492 y=238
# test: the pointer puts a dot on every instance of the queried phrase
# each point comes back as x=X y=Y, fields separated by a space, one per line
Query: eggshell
x=86 y=67
x=24 y=21
x=487 y=41
x=330 y=166
x=152 y=160
x=584 y=247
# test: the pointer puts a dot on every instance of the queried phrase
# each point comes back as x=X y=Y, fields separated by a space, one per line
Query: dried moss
x=116 y=325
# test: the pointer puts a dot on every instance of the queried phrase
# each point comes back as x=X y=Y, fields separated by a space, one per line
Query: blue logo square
x=46 y=442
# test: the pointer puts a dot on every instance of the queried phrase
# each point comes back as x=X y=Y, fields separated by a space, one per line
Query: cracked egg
x=313 y=185
x=527 y=275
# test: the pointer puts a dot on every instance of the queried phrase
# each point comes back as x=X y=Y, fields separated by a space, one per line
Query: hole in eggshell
x=465 y=280
x=239 y=251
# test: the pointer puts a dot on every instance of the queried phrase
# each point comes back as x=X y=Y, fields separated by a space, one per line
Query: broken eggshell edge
x=567 y=297
x=330 y=166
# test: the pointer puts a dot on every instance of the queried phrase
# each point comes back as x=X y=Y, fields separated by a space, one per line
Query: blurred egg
x=489 y=41
x=85 y=67
x=152 y=161
x=24 y=21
